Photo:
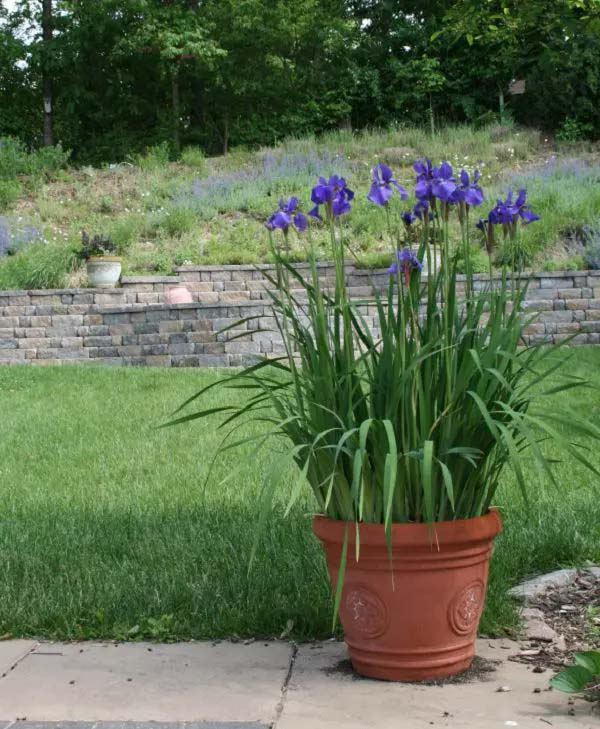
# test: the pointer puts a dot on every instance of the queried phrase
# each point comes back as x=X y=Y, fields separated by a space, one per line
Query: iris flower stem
x=447 y=320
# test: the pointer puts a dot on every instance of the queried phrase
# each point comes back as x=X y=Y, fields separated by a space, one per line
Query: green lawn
x=106 y=529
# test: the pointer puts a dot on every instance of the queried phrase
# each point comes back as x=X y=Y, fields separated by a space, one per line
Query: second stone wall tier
x=116 y=327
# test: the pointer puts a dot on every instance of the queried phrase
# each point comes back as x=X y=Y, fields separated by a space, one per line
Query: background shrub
x=9 y=192
x=573 y=130
x=194 y=157
x=43 y=163
x=38 y=266
x=154 y=157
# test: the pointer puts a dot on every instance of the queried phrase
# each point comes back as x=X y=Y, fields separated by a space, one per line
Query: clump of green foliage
x=21 y=167
x=582 y=678
x=39 y=266
x=154 y=158
x=97 y=245
x=573 y=130
x=194 y=157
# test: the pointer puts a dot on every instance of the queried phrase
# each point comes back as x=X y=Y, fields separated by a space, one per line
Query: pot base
x=398 y=668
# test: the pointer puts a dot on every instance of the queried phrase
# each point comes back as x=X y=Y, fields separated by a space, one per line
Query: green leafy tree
x=177 y=32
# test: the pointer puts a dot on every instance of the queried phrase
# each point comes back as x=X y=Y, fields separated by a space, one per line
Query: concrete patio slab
x=12 y=651
x=324 y=694
x=265 y=686
x=132 y=725
x=147 y=682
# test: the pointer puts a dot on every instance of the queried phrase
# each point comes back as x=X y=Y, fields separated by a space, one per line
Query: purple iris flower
x=287 y=214
x=421 y=210
x=334 y=194
x=503 y=211
x=382 y=180
x=406 y=262
x=506 y=211
x=433 y=181
x=408 y=218
x=524 y=211
x=468 y=192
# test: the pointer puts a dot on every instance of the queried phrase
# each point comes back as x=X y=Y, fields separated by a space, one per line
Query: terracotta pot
x=178 y=294
x=103 y=271
x=416 y=617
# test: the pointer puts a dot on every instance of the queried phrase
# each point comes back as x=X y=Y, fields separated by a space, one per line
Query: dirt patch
x=480 y=670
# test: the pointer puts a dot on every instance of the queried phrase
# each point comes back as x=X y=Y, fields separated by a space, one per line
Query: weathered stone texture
x=132 y=326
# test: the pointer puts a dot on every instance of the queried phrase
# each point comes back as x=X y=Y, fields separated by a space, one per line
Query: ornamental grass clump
x=412 y=419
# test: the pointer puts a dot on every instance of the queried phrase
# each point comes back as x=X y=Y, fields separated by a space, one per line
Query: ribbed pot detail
x=415 y=616
x=104 y=271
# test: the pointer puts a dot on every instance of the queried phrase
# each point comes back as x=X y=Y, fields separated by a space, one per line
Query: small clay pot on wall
x=103 y=271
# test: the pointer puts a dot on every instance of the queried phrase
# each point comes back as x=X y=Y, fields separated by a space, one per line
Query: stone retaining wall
x=130 y=325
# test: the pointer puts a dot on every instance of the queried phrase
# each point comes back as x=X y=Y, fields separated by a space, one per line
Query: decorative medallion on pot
x=466 y=608
x=365 y=613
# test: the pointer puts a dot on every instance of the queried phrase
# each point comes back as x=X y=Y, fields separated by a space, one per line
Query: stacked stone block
x=130 y=325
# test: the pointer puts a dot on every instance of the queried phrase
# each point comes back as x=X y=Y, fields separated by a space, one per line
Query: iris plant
x=333 y=194
x=411 y=417
x=383 y=184
x=406 y=262
x=287 y=214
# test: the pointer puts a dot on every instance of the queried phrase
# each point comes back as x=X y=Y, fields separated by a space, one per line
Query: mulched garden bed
x=573 y=612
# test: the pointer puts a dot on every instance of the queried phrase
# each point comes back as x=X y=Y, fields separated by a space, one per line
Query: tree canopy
x=127 y=75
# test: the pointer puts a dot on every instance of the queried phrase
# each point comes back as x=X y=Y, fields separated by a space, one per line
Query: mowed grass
x=107 y=529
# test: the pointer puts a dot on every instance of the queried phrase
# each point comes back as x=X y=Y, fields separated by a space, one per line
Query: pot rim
x=459 y=531
x=105 y=259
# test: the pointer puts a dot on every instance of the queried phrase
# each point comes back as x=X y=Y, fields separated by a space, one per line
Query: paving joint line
x=284 y=687
x=16 y=663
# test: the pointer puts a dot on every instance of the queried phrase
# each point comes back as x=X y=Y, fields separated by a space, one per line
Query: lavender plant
x=13 y=238
x=241 y=189
x=6 y=241
x=415 y=418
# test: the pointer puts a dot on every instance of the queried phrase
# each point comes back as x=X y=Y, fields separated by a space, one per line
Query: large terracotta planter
x=415 y=617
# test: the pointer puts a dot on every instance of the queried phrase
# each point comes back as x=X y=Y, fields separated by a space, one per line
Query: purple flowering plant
x=510 y=216
x=334 y=195
x=287 y=214
x=383 y=185
x=411 y=413
x=406 y=262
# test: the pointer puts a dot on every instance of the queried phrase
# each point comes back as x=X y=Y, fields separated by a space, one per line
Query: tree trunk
x=47 y=34
x=226 y=134
x=431 y=116
x=175 y=102
x=501 y=105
